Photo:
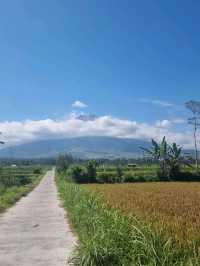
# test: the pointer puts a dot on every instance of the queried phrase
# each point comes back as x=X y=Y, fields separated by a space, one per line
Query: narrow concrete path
x=35 y=231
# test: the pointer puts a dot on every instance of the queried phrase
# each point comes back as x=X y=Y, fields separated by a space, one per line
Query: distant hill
x=83 y=147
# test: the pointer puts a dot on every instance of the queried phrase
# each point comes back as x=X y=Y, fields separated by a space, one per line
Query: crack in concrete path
x=35 y=232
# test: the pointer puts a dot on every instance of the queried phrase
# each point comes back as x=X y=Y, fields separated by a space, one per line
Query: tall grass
x=109 y=238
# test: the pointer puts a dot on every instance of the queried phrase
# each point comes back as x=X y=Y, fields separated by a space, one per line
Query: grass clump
x=107 y=237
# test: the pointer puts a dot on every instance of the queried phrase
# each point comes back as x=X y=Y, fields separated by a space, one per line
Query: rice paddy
x=173 y=208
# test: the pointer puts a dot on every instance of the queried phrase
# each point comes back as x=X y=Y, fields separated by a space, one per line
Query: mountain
x=83 y=147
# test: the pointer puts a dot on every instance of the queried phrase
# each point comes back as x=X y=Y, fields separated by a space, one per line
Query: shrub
x=37 y=171
x=163 y=175
x=10 y=181
x=78 y=174
x=131 y=176
x=63 y=162
x=119 y=173
x=106 y=177
x=91 y=169
x=186 y=176
x=24 y=180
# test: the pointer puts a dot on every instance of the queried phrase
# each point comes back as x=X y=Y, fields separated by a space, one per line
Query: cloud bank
x=17 y=132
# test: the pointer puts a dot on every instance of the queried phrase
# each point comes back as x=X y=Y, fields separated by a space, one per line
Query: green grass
x=109 y=238
x=9 y=194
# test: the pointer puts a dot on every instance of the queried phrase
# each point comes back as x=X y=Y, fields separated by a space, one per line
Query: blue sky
x=135 y=60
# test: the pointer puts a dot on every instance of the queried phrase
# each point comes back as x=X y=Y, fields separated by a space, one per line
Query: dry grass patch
x=170 y=207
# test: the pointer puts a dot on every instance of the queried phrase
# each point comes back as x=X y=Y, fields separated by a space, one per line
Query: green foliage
x=132 y=177
x=169 y=158
x=78 y=174
x=110 y=174
x=83 y=174
x=174 y=160
x=119 y=173
x=107 y=237
x=15 y=183
x=90 y=172
x=10 y=181
x=106 y=177
x=37 y=171
x=91 y=169
x=63 y=162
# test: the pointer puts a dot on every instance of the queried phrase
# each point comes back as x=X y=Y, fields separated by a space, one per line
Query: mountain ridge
x=82 y=147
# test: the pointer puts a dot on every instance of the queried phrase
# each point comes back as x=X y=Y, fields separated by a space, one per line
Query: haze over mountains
x=83 y=147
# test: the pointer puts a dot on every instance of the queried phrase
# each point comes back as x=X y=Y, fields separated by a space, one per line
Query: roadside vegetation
x=16 y=182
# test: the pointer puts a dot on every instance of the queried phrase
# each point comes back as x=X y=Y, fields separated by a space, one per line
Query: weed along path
x=35 y=231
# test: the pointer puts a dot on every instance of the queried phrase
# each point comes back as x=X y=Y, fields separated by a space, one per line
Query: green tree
x=63 y=162
x=91 y=168
x=78 y=174
x=119 y=173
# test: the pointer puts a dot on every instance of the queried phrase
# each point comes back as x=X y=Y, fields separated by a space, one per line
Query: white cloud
x=179 y=121
x=169 y=123
x=157 y=102
x=79 y=104
x=164 y=124
x=16 y=132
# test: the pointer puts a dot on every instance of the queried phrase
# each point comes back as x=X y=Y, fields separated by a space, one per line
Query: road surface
x=35 y=231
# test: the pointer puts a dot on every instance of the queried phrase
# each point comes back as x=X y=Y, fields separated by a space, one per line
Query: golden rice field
x=173 y=208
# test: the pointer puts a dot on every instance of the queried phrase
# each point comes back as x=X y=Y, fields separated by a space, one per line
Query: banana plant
x=174 y=160
x=159 y=152
x=168 y=156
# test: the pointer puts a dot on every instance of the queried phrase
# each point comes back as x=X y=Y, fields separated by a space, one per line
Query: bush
x=24 y=180
x=37 y=171
x=78 y=174
x=63 y=162
x=91 y=169
x=186 y=176
x=10 y=181
x=131 y=176
x=162 y=175
x=119 y=173
x=106 y=177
